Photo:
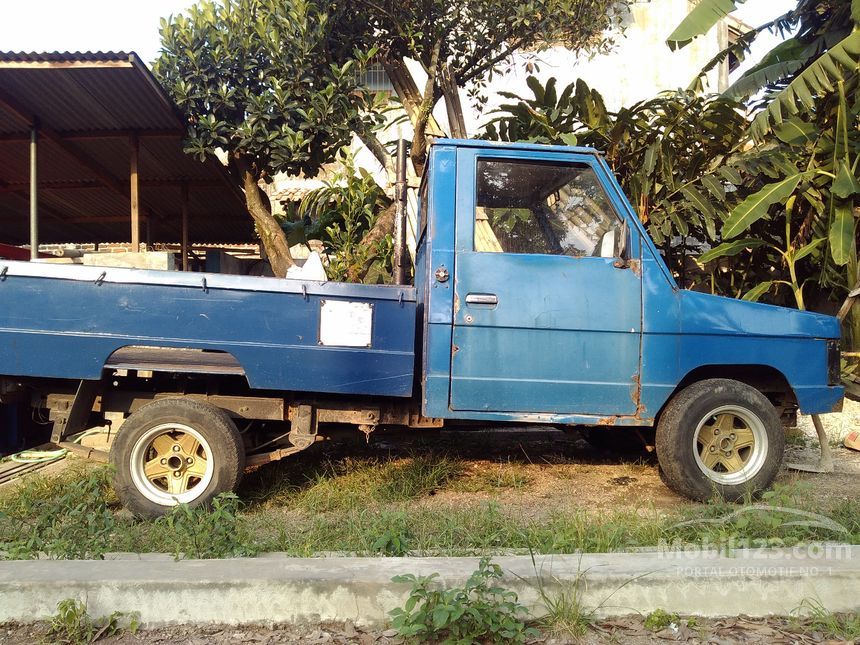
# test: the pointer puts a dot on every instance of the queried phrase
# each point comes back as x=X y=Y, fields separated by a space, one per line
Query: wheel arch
x=176 y=360
x=765 y=378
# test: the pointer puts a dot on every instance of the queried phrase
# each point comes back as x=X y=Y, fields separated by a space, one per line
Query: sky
x=132 y=25
x=85 y=25
x=755 y=13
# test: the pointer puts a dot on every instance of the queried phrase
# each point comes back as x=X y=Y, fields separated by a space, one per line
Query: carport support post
x=134 y=193
x=34 y=193
x=184 y=249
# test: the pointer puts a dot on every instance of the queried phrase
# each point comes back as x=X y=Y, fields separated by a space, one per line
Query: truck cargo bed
x=61 y=321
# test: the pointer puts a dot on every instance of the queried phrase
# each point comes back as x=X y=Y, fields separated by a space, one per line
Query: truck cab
x=547 y=302
x=538 y=299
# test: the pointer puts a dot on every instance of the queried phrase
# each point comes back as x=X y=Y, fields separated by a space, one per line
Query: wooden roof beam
x=87 y=135
x=87 y=184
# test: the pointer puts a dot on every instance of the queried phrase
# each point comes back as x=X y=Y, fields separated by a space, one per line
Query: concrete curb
x=276 y=588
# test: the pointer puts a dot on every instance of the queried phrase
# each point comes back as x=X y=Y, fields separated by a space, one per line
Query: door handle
x=482 y=299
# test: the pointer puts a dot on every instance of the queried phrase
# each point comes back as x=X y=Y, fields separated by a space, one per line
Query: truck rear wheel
x=719 y=436
x=176 y=451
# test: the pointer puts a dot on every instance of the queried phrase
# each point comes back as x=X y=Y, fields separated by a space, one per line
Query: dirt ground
x=542 y=470
x=627 y=630
x=561 y=471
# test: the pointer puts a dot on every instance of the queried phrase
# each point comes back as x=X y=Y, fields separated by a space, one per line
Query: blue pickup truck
x=538 y=299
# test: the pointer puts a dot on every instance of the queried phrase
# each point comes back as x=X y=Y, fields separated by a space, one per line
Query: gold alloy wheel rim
x=175 y=462
x=726 y=443
x=730 y=445
x=159 y=464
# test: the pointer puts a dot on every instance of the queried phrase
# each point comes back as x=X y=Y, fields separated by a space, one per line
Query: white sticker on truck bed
x=346 y=324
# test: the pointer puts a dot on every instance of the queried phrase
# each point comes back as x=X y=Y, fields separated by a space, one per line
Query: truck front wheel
x=719 y=436
x=176 y=451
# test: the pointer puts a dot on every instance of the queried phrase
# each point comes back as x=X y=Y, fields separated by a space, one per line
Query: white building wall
x=640 y=65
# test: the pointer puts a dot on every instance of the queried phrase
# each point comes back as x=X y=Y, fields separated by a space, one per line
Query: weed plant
x=72 y=625
x=482 y=611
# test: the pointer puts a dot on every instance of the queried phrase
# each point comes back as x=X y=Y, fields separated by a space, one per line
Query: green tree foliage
x=823 y=50
x=800 y=161
x=270 y=82
x=460 y=44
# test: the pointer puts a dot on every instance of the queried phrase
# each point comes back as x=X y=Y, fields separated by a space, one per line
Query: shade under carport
x=91 y=112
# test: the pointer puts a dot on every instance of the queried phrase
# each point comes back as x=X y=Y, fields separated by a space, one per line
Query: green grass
x=349 y=483
x=493 y=478
x=565 y=614
x=845 y=627
x=388 y=507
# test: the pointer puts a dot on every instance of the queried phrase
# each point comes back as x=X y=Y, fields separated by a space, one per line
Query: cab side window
x=544 y=207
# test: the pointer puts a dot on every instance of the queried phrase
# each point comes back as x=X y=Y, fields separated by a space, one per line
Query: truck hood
x=702 y=313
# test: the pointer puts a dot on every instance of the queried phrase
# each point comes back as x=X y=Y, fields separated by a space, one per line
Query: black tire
x=201 y=433
x=724 y=414
x=630 y=441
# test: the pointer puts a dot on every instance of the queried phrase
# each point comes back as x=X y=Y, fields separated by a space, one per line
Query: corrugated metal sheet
x=64 y=57
x=87 y=91
x=92 y=101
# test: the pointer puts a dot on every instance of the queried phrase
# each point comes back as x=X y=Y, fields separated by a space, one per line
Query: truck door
x=547 y=316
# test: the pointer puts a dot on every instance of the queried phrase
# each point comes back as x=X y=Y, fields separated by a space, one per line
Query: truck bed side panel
x=64 y=322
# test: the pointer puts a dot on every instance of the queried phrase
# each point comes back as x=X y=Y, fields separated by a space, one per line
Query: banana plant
x=789 y=255
x=824 y=51
x=801 y=154
x=821 y=183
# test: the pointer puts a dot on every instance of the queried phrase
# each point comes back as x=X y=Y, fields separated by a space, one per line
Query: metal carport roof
x=90 y=109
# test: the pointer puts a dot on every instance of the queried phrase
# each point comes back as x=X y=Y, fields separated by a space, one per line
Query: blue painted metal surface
x=436 y=251
x=562 y=346
x=685 y=330
x=63 y=322
x=544 y=346
x=572 y=340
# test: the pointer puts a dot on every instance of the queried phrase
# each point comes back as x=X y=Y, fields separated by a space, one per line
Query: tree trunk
x=384 y=226
x=410 y=97
x=271 y=234
x=451 y=92
x=418 y=153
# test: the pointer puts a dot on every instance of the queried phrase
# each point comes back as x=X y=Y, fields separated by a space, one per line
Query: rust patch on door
x=636 y=396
